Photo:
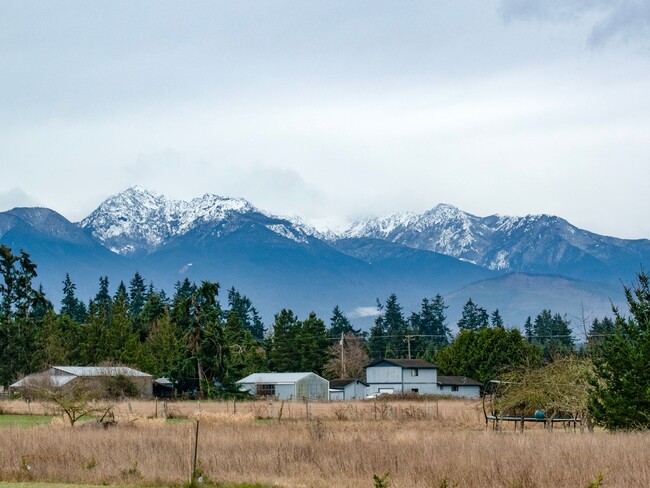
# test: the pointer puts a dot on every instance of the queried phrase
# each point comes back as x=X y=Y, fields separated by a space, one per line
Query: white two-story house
x=416 y=376
x=402 y=376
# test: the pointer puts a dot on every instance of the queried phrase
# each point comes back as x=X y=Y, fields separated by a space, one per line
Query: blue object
x=539 y=414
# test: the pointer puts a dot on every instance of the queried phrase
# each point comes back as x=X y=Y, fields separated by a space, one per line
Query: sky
x=332 y=110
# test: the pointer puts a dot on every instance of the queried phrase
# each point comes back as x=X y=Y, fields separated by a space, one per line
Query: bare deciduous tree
x=347 y=358
x=72 y=400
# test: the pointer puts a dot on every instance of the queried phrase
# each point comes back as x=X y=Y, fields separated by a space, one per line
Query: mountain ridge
x=285 y=262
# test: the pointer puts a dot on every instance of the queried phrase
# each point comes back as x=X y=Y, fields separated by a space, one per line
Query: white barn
x=286 y=386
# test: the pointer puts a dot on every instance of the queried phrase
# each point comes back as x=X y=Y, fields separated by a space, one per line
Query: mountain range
x=519 y=265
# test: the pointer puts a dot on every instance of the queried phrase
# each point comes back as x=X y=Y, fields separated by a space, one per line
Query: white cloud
x=360 y=312
x=622 y=21
x=358 y=109
x=16 y=197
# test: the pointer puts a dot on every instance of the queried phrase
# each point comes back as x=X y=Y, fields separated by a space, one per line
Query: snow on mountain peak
x=138 y=218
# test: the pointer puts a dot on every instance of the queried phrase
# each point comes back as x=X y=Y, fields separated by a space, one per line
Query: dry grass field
x=421 y=444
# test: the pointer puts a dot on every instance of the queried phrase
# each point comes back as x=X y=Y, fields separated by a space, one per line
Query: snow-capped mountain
x=443 y=229
x=287 y=262
x=137 y=220
x=534 y=243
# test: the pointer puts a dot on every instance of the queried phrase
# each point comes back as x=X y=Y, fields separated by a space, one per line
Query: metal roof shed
x=286 y=386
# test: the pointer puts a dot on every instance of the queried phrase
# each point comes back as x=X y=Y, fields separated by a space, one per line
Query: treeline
x=205 y=346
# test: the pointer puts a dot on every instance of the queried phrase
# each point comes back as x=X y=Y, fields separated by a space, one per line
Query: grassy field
x=72 y=485
x=24 y=420
x=421 y=444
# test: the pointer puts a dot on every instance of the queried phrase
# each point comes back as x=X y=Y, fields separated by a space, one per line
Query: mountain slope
x=520 y=295
x=58 y=246
x=532 y=244
x=138 y=221
x=284 y=262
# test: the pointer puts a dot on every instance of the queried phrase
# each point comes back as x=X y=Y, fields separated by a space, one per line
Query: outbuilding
x=286 y=386
x=460 y=386
x=59 y=376
x=347 y=389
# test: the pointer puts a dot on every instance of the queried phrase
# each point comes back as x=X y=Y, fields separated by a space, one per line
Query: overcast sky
x=333 y=109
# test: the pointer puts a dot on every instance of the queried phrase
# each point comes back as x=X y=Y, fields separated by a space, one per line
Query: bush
x=121 y=386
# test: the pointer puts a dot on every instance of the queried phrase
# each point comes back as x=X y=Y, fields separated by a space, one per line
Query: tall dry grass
x=416 y=447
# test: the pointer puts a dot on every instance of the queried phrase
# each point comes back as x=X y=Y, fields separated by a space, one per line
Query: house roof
x=405 y=363
x=100 y=371
x=457 y=381
x=72 y=372
x=55 y=380
x=338 y=384
x=275 y=377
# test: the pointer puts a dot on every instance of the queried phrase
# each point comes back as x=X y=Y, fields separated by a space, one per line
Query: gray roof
x=100 y=371
x=334 y=384
x=275 y=377
x=457 y=381
x=405 y=363
x=55 y=380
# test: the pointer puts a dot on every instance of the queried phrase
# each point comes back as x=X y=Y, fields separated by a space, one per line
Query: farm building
x=402 y=376
x=286 y=386
x=62 y=375
x=461 y=386
x=349 y=389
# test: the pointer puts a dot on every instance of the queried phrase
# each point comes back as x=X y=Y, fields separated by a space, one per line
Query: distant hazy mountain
x=284 y=262
x=520 y=295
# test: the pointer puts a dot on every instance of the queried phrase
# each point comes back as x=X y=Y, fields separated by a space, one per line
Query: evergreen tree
x=388 y=335
x=621 y=395
x=473 y=317
x=70 y=304
x=313 y=345
x=55 y=343
x=340 y=324
x=430 y=324
x=95 y=346
x=486 y=353
x=183 y=293
x=162 y=350
x=18 y=323
x=103 y=300
x=248 y=315
x=283 y=356
x=600 y=329
x=495 y=319
x=7 y=288
x=154 y=308
x=199 y=314
x=122 y=342
x=137 y=295
x=378 y=342
x=528 y=329
x=245 y=355
x=553 y=334
x=396 y=328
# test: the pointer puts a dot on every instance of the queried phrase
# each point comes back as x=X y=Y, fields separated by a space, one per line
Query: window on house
x=414 y=372
x=265 y=390
x=454 y=387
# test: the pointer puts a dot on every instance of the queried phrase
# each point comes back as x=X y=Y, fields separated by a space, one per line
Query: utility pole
x=408 y=342
x=343 y=372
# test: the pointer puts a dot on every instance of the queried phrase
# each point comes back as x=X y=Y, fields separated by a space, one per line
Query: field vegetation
x=420 y=444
